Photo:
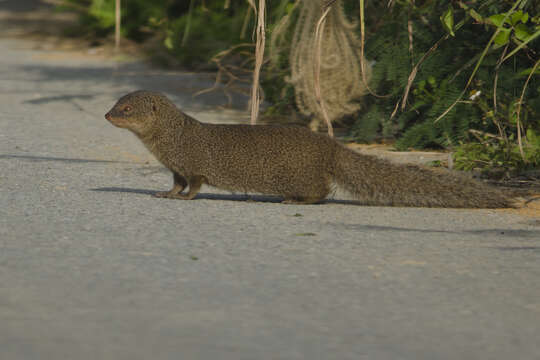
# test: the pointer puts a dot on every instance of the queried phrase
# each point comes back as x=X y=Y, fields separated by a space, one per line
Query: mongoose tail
x=376 y=181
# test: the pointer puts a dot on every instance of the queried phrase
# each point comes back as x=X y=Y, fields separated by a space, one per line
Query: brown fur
x=291 y=162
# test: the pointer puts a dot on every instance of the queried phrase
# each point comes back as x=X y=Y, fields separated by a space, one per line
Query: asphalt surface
x=93 y=267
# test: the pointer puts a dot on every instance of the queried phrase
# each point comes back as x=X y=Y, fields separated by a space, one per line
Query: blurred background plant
x=459 y=75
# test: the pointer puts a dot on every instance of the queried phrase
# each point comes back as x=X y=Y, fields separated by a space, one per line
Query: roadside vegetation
x=458 y=75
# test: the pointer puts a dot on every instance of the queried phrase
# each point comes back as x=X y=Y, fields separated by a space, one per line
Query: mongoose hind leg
x=195 y=183
x=180 y=183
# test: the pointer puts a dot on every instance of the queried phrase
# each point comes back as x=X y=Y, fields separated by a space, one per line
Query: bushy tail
x=376 y=181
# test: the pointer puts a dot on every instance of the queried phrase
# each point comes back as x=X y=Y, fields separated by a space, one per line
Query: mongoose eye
x=127 y=109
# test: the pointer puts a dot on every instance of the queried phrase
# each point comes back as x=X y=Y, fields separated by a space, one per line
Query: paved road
x=93 y=267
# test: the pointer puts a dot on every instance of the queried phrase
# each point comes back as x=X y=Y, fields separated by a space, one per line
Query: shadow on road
x=33 y=17
x=18 y=6
x=138 y=76
x=227 y=197
x=61 y=98
x=533 y=234
x=200 y=196
x=50 y=158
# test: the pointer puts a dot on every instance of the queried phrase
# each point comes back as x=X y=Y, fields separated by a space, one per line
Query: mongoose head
x=138 y=111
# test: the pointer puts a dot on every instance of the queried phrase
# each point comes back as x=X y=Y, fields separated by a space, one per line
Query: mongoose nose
x=108 y=116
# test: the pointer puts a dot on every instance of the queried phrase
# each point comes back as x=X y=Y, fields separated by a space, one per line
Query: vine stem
x=519 y=110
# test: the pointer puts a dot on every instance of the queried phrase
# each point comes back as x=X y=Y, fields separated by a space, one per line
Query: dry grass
x=259 y=57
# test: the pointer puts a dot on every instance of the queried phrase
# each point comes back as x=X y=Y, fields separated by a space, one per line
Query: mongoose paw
x=165 y=194
x=172 y=195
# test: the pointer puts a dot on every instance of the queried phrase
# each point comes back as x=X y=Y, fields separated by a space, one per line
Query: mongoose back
x=292 y=162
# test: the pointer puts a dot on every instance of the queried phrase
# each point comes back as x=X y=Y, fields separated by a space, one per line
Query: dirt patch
x=530 y=209
x=402 y=157
x=47 y=29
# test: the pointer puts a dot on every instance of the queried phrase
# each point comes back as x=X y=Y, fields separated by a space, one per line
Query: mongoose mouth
x=115 y=121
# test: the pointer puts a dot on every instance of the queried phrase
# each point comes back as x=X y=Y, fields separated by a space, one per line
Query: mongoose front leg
x=180 y=184
x=195 y=183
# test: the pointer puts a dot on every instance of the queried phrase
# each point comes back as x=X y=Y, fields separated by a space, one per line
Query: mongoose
x=293 y=162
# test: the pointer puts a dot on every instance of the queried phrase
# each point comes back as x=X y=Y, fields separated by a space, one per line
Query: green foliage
x=499 y=154
x=211 y=29
x=210 y=32
x=139 y=17
x=103 y=12
x=446 y=72
x=367 y=129
x=279 y=93
x=432 y=99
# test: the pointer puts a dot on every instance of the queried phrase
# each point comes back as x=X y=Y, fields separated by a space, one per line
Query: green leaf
x=522 y=32
x=525 y=18
x=526 y=72
x=447 y=20
x=168 y=43
x=529 y=39
x=289 y=8
x=516 y=17
x=502 y=37
x=497 y=19
x=532 y=137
